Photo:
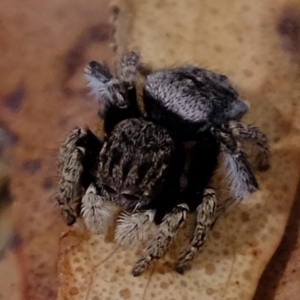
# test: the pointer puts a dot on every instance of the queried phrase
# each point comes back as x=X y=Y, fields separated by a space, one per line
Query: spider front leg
x=206 y=216
x=96 y=210
x=251 y=134
x=106 y=89
x=160 y=242
x=241 y=178
x=77 y=157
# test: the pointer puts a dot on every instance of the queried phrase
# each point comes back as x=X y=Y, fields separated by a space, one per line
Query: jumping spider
x=139 y=164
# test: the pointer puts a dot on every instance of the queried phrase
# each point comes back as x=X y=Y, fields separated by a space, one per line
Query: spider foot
x=159 y=244
x=141 y=266
x=204 y=221
x=184 y=261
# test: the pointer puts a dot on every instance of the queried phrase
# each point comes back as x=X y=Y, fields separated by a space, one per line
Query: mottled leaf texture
x=46 y=46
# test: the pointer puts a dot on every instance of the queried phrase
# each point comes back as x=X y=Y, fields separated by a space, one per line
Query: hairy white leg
x=239 y=174
x=110 y=90
x=160 y=242
x=107 y=90
x=206 y=216
x=133 y=228
x=95 y=211
x=99 y=79
x=241 y=179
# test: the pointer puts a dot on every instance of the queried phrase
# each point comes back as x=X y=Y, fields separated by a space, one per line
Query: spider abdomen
x=197 y=97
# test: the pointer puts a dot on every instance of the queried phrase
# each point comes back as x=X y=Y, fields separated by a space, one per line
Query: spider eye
x=130 y=197
x=109 y=189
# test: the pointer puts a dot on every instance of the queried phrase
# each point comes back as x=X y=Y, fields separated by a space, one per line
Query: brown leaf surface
x=45 y=46
x=257 y=45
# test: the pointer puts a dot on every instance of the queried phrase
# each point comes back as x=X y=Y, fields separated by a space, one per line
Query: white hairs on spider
x=99 y=88
x=133 y=228
x=95 y=211
x=237 y=178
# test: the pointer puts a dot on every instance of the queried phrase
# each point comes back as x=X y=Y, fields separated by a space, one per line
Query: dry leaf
x=255 y=45
x=46 y=45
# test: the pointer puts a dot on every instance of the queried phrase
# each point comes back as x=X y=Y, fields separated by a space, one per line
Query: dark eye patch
x=130 y=197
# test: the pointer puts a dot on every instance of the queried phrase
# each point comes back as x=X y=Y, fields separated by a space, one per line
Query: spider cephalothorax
x=139 y=164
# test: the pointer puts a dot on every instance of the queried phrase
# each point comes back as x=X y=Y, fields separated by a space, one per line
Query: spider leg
x=128 y=68
x=252 y=134
x=160 y=242
x=238 y=170
x=133 y=228
x=69 y=191
x=206 y=216
x=95 y=210
x=127 y=73
x=70 y=169
x=198 y=197
x=106 y=89
x=77 y=156
x=116 y=95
